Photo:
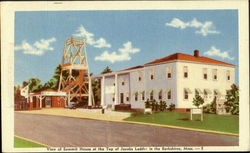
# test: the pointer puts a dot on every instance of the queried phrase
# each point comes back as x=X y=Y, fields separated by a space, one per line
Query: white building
x=174 y=79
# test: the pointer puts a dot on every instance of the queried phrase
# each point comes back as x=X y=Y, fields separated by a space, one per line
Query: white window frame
x=151 y=74
x=170 y=95
x=215 y=73
x=204 y=72
x=169 y=71
x=185 y=70
x=228 y=74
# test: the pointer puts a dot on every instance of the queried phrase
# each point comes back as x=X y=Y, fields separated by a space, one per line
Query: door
x=48 y=101
x=34 y=102
x=122 y=98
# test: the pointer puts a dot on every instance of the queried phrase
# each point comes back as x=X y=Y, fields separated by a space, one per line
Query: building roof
x=182 y=57
x=135 y=67
x=185 y=57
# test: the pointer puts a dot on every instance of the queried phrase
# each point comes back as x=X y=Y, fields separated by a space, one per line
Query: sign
x=46 y=93
x=110 y=89
x=196 y=111
x=25 y=91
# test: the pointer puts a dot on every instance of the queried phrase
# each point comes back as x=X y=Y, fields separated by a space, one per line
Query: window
x=185 y=69
x=139 y=76
x=215 y=74
x=123 y=81
x=169 y=94
x=151 y=74
x=215 y=93
x=113 y=97
x=152 y=95
x=228 y=75
x=185 y=94
x=169 y=72
x=143 y=95
x=136 y=96
x=196 y=93
x=205 y=94
x=205 y=73
x=127 y=97
x=160 y=95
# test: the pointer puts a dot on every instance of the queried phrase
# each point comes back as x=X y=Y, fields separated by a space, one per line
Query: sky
x=121 y=39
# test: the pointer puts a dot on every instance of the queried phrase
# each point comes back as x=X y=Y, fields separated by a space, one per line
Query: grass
x=222 y=123
x=21 y=143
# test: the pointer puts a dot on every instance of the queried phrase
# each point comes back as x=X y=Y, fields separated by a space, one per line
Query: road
x=59 y=131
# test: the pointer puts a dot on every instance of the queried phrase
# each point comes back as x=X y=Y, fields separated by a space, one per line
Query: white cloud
x=202 y=28
x=38 y=48
x=213 y=51
x=100 y=43
x=123 y=55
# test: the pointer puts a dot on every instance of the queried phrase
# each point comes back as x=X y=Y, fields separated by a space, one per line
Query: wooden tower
x=75 y=77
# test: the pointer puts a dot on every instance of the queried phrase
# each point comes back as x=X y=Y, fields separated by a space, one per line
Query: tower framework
x=75 y=77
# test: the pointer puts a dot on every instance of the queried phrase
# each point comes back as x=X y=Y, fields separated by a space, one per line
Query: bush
x=232 y=103
x=163 y=106
x=153 y=104
x=157 y=106
x=210 y=108
x=147 y=104
x=171 y=107
x=198 y=100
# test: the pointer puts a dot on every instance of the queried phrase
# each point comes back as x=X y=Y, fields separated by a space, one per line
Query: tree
x=35 y=85
x=53 y=83
x=198 y=100
x=106 y=70
x=232 y=97
x=25 y=83
x=96 y=86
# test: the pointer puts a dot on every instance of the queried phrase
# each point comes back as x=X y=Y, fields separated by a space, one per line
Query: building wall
x=176 y=83
x=195 y=80
x=161 y=82
x=108 y=96
x=57 y=102
x=123 y=88
x=137 y=86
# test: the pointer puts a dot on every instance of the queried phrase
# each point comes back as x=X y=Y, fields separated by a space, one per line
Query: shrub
x=147 y=104
x=171 y=107
x=210 y=108
x=157 y=106
x=232 y=103
x=153 y=104
x=198 y=100
x=163 y=106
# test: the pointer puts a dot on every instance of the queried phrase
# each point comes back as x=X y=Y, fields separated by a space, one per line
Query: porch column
x=90 y=91
x=103 y=91
x=116 y=89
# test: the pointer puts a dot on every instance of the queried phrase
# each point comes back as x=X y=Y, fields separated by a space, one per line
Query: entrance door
x=48 y=102
x=34 y=102
x=121 y=98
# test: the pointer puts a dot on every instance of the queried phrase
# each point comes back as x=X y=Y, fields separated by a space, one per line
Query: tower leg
x=90 y=89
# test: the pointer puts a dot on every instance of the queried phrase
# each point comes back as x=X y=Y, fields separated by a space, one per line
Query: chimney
x=196 y=53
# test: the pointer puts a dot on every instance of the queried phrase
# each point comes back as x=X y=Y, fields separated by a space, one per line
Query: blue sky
x=121 y=39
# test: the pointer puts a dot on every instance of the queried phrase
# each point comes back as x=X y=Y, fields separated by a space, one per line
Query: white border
x=7 y=52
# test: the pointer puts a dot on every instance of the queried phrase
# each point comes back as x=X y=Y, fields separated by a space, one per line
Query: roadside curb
x=149 y=124
x=33 y=141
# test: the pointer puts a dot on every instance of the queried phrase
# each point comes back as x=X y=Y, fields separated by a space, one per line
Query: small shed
x=47 y=99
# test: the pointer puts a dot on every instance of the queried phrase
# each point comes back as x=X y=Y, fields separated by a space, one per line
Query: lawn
x=222 y=123
x=21 y=143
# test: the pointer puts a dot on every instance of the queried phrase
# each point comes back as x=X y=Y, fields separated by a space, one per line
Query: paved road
x=71 y=132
